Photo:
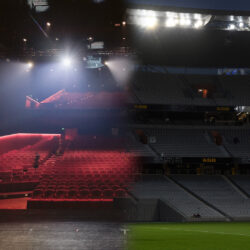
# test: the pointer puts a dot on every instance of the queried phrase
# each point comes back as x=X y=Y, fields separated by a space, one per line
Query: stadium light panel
x=151 y=19
x=232 y=27
x=241 y=25
x=185 y=22
x=171 y=22
x=197 y=16
x=198 y=24
x=146 y=19
x=148 y=22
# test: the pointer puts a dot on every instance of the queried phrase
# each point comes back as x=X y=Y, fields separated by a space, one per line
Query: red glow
x=77 y=200
x=87 y=170
x=18 y=141
x=88 y=100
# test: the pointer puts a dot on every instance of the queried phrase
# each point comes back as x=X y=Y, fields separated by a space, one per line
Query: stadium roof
x=239 y=6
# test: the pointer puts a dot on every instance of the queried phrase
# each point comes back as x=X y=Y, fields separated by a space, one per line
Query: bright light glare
x=241 y=24
x=150 y=19
x=185 y=22
x=48 y=24
x=147 y=19
x=30 y=65
x=171 y=22
x=121 y=69
x=231 y=27
x=197 y=16
x=67 y=61
x=198 y=24
x=148 y=22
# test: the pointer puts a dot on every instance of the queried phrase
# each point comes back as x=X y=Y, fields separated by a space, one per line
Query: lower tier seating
x=84 y=174
x=152 y=187
x=218 y=192
x=18 y=165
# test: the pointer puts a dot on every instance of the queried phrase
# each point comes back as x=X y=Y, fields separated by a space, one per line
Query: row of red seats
x=24 y=159
x=65 y=99
x=78 y=194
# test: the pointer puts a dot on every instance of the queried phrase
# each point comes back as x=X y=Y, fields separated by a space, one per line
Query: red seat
x=120 y=193
x=37 y=194
x=73 y=194
x=49 y=194
x=107 y=194
x=84 y=193
x=96 y=194
x=61 y=194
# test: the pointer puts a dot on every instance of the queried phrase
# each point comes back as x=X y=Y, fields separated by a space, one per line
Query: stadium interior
x=114 y=113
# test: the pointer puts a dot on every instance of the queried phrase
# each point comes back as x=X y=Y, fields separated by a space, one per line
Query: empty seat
x=96 y=194
x=84 y=193
x=73 y=194
x=37 y=194
x=107 y=194
x=119 y=193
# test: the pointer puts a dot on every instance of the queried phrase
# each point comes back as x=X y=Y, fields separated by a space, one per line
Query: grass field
x=189 y=236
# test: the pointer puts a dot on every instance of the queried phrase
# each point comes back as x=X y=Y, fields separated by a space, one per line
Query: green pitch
x=189 y=236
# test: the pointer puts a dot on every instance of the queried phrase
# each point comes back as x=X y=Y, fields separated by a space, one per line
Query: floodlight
x=146 y=19
x=148 y=22
x=48 y=24
x=30 y=65
x=171 y=22
x=198 y=24
x=241 y=25
x=197 y=16
x=185 y=22
x=231 y=27
x=67 y=61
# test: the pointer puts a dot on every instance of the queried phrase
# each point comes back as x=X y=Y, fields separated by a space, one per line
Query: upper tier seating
x=219 y=193
x=243 y=182
x=237 y=142
x=152 y=187
x=170 y=89
x=137 y=148
x=238 y=87
x=184 y=143
x=159 y=89
x=88 y=100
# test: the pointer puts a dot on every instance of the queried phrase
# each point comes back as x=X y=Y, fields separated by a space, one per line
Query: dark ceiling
x=71 y=20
